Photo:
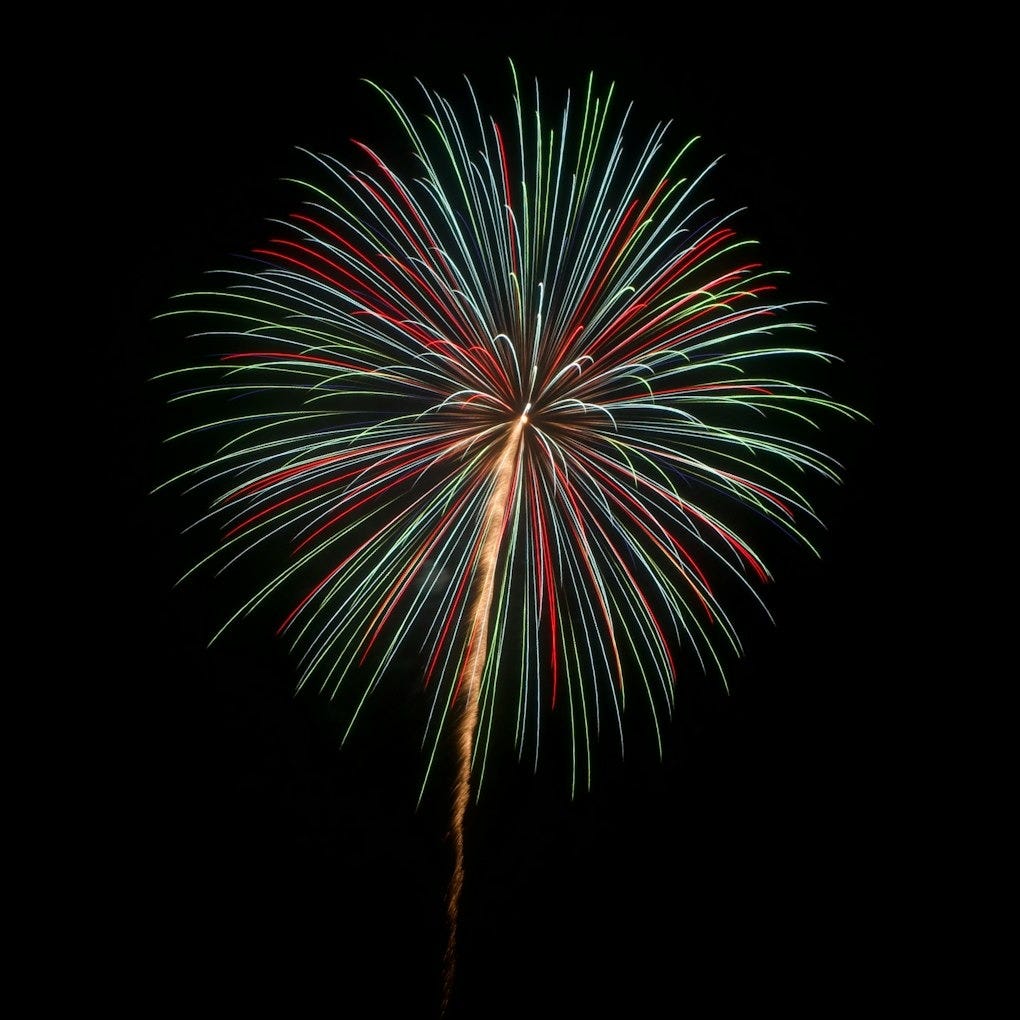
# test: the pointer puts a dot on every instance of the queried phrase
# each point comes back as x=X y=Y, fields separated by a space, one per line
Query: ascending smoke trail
x=468 y=687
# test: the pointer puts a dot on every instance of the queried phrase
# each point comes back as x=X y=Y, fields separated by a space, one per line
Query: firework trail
x=489 y=546
x=540 y=386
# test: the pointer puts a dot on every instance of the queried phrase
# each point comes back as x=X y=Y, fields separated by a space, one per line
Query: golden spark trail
x=471 y=675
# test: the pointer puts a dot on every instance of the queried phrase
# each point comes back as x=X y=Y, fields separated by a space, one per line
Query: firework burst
x=521 y=411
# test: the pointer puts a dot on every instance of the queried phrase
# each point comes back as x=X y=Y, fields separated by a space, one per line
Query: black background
x=771 y=853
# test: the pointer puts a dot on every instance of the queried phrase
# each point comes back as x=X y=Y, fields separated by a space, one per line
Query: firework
x=520 y=413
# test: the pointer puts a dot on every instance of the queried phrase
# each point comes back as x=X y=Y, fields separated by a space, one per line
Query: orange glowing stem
x=469 y=682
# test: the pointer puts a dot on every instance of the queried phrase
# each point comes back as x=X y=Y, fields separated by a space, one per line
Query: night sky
x=256 y=858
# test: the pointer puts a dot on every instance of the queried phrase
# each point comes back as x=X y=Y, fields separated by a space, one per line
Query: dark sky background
x=765 y=855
